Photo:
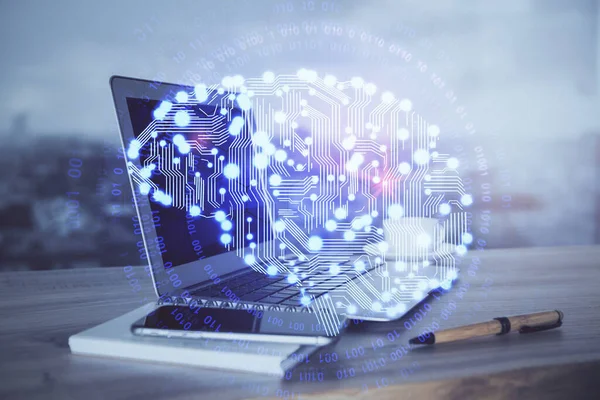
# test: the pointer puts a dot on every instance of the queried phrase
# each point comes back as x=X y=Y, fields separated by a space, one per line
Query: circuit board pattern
x=311 y=167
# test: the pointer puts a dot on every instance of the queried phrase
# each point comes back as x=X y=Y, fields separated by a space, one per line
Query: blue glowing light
x=178 y=139
x=200 y=92
x=244 y=102
x=226 y=238
x=214 y=151
x=162 y=197
x=359 y=265
x=305 y=300
x=134 y=149
x=261 y=161
x=209 y=165
x=275 y=180
x=222 y=191
x=223 y=111
x=351 y=309
x=194 y=211
x=182 y=118
x=249 y=236
x=334 y=269
x=226 y=225
x=461 y=250
x=340 y=213
x=292 y=278
x=220 y=216
x=176 y=160
x=197 y=174
x=331 y=225
x=154 y=134
x=162 y=143
x=279 y=226
x=249 y=259
x=395 y=211
x=467 y=238
x=466 y=200
x=144 y=188
x=315 y=243
x=245 y=198
x=445 y=209
x=313 y=197
x=231 y=171
x=272 y=270
x=349 y=235
x=181 y=97
x=236 y=125
x=146 y=172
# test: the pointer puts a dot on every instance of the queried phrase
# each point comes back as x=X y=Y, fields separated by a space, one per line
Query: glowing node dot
x=403 y=134
x=387 y=97
x=467 y=238
x=313 y=197
x=250 y=259
x=226 y=238
x=461 y=250
x=433 y=130
x=357 y=82
x=452 y=163
x=222 y=191
x=162 y=143
x=315 y=243
x=280 y=155
x=220 y=216
x=351 y=309
x=445 y=209
x=226 y=225
x=182 y=118
x=279 y=117
x=231 y=171
x=275 y=180
x=292 y=278
x=421 y=156
x=279 y=226
x=340 y=213
x=194 y=211
x=349 y=235
x=272 y=270
x=334 y=269
x=144 y=188
x=331 y=225
x=201 y=93
x=405 y=105
x=395 y=211
x=359 y=265
x=466 y=200
x=268 y=77
x=329 y=80
x=181 y=97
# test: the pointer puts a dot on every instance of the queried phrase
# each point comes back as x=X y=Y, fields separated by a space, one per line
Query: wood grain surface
x=42 y=309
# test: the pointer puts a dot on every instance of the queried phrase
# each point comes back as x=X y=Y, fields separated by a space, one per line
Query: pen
x=527 y=323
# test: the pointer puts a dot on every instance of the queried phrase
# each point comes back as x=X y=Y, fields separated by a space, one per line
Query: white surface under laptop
x=114 y=339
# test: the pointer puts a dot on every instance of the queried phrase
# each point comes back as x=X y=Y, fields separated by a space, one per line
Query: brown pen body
x=496 y=327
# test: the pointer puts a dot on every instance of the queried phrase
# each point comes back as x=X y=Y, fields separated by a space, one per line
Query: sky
x=502 y=57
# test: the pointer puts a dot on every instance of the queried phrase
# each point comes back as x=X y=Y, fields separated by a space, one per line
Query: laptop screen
x=196 y=173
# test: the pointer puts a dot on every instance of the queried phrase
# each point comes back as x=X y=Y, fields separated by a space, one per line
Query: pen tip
x=428 y=340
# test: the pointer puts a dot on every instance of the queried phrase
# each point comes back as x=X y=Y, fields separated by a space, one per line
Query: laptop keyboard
x=252 y=286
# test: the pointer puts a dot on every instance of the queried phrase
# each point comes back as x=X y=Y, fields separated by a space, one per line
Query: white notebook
x=114 y=339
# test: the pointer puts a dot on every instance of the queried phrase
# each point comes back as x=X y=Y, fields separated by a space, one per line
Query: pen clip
x=532 y=329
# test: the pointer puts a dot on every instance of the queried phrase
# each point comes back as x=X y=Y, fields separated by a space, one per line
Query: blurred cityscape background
x=527 y=70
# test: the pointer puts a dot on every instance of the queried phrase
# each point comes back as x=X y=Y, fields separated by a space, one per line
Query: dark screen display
x=186 y=238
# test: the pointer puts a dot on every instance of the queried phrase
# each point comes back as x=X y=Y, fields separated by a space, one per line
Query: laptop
x=213 y=228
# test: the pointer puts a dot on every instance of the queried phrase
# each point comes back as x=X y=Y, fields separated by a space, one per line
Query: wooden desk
x=42 y=309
